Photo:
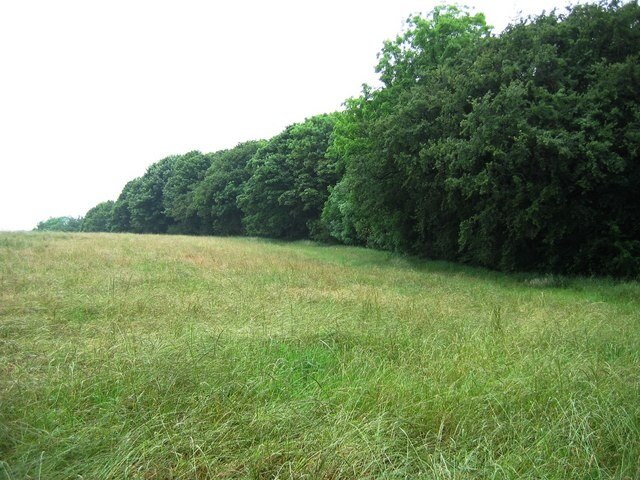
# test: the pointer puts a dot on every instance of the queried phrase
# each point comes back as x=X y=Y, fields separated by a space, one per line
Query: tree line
x=518 y=152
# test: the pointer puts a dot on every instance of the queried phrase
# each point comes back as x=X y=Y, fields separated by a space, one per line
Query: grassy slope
x=160 y=357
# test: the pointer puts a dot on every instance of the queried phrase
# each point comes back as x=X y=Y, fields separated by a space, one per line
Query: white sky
x=92 y=93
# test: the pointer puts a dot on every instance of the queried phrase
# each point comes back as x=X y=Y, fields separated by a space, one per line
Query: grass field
x=168 y=357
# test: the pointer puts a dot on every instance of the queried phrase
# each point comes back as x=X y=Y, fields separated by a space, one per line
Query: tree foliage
x=121 y=220
x=99 y=218
x=289 y=185
x=146 y=205
x=215 y=197
x=60 y=224
x=512 y=152
x=187 y=172
x=516 y=152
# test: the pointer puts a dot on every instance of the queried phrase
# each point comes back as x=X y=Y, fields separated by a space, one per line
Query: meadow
x=174 y=357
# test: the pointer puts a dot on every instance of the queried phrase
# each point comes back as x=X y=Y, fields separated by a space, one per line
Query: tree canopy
x=516 y=151
x=60 y=224
x=99 y=218
x=216 y=197
x=289 y=184
x=178 y=192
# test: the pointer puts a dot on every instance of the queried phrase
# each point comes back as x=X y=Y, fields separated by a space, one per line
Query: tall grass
x=157 y=357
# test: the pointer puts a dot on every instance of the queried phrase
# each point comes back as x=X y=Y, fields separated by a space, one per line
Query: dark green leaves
x=60 y=224
x=215 y=197
x=516 y=152
x=99 y=218
x=289 y=184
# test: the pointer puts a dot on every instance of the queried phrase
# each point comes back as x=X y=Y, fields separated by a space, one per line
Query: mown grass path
x=166 y=357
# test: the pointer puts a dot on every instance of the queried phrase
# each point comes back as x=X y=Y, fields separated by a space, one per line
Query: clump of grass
x=548 y=281
x=158 y=357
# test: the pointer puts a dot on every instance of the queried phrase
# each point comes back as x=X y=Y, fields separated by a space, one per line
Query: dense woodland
x=517 y=151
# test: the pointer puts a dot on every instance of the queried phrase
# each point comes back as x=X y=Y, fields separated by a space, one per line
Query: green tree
x=146 y=200
x=99 y=218
x=549 y=157
x=381 y=135
x=60 y=224
x=187 y=172
x=215 y=197
x=121 y=220
x=289 y=185
x=517 y=152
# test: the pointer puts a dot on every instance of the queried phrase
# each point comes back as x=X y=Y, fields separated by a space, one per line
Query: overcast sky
x=92 y=93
